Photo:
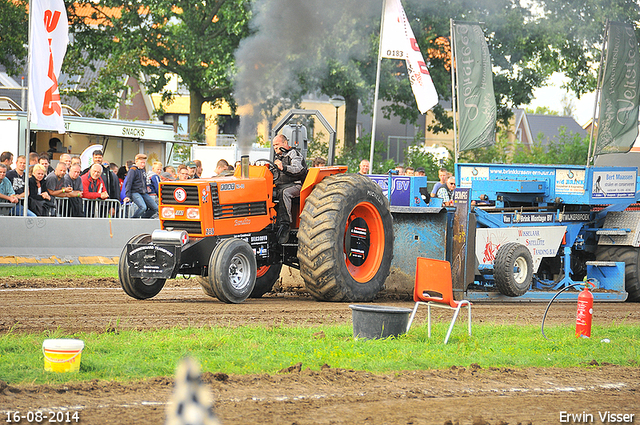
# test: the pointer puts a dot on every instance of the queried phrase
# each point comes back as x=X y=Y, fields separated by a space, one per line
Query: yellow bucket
x=62 y=355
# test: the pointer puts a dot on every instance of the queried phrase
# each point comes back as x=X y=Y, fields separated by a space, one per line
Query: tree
x=317 y=51
x=416 y=157
x=13 y=41
x=192 y=39
x=352 y=157
x=499 y=153
x=526 y=48
x=541 y=110
x=518 y=46
x=570 y=148
x=575 y=29
x=568 y=105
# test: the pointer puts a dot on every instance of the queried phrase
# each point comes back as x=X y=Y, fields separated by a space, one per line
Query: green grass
x=133 y=355
x=60 y=271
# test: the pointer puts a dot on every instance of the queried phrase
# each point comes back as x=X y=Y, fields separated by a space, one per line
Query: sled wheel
x=631 y=258
x=139 y=288
x=266 y=277
x=345 y=239
x=232 y=271
x=513 y=269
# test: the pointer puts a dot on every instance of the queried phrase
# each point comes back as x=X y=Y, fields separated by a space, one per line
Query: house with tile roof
x=541 y=128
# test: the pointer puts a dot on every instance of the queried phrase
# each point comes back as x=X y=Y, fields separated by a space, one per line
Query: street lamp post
x=337 y=102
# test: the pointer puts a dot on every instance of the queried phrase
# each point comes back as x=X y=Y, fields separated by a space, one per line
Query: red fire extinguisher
x=585 y=312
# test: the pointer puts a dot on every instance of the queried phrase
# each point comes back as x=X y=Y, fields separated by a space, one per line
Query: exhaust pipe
x=244 y=166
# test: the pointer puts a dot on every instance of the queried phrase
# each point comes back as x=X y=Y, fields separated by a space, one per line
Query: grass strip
x=59 y=271
x=132 y=355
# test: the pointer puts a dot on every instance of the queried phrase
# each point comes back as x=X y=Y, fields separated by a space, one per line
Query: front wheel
x=206 y=287
x=139 y=288
x=345 y=239
x=232 y=271
x=513 y=269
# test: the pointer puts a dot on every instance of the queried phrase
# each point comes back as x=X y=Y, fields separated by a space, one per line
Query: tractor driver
x=293 y=169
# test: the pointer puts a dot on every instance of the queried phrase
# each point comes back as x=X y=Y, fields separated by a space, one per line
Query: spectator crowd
x=128 y=187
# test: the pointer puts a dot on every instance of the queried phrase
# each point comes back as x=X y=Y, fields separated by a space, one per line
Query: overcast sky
x=551 y=97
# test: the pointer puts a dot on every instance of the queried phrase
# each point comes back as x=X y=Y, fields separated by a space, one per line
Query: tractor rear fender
x=315 y=176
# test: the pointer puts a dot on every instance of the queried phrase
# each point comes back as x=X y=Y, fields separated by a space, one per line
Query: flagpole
x=28 y=129
x=453 y=92
x=598 y=88
x=376 y=90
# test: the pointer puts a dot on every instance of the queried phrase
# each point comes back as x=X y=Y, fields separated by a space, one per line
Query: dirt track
x=331 y=396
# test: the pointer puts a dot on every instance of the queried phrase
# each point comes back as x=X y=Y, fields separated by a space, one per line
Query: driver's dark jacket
x=293 y=167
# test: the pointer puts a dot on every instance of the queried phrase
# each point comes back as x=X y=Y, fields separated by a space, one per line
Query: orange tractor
x=222 y=231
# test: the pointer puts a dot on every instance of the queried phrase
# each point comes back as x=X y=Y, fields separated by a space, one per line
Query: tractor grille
x=214 y=193
x=239 y=210
x=191 y=227
x=168 y=190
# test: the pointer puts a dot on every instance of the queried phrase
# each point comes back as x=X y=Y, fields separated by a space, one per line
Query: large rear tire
x=513 y=269
x=266 y=277
x=232 y=271
x=631 y=258
x=345 y=240
x=138 y=288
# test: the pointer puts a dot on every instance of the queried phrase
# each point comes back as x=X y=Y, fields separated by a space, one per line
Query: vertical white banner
x=398 y=42
x=49 y=39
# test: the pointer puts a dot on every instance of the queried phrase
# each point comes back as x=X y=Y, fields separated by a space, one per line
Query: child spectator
x=136 y=189
x=153 y=180
x=443 y=175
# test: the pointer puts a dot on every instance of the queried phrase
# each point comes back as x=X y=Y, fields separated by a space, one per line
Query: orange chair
x=434 y=288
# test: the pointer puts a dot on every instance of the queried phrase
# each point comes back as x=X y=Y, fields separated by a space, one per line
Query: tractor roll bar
x=321 y=118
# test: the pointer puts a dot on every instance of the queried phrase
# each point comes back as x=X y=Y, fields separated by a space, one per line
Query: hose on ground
x=554 y=297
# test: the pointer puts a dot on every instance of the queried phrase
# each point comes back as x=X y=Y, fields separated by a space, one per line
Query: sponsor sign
x=527 y=218
x=469 y=174
x=570 y=182
x=476 y=100
x=400 y=188
x=357 y=245
x=398 y=42
x=461 y=271
x=540 y=241
x=613 y=184
x=574 y=216
x=516 y=173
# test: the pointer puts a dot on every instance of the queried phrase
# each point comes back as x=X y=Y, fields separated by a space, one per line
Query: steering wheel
x=272 y=167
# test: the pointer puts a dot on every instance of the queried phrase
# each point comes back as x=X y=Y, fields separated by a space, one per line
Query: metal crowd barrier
x=98 y=208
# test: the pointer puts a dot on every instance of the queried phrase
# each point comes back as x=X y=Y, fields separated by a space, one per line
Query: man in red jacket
x=92 y=185
x=94 y=188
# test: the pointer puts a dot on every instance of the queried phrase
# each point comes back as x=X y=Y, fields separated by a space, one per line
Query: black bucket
x=378 y=321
